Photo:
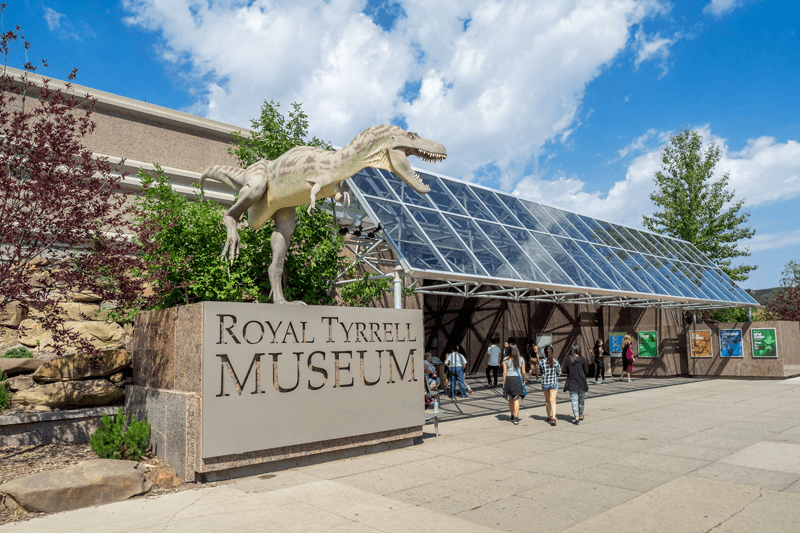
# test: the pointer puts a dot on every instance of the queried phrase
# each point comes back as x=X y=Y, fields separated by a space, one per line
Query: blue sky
x=566 y=102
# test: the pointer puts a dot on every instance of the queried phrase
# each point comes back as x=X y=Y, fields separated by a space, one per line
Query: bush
x=4 y=398
x=20 y=352
x=113 y=441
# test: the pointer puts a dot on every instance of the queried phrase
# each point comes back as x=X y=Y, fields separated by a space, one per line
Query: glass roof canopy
x=474 y=241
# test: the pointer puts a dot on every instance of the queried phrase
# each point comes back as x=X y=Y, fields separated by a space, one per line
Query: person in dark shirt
x=576 y=368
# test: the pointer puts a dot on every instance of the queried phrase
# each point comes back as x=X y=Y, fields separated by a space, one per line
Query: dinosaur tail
x=233 y=177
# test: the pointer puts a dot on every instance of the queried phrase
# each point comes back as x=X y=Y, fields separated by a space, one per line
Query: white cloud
x=653 y=47
x=59 y=23
x=53 y=18
x=494 y=94
x=772 y=241
x=764 y=172
x=720 y=7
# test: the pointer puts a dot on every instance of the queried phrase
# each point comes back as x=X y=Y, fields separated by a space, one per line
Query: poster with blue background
x=615 y=344
x=730 y=343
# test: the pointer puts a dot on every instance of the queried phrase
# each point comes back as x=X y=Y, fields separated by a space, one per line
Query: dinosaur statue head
x=393 y=148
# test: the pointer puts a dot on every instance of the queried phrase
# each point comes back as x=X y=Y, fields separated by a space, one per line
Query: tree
x=697 y=208
x=785 y=302
x=64 y=223
x=192 y=235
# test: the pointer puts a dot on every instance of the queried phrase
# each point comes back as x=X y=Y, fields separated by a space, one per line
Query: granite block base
x=52 y=427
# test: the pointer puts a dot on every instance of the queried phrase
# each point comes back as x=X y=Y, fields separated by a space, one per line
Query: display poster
x=730 y=343
x=701 y=344
x=648 y=344
x=615 y=344
x=542 y=340
x=765 y=343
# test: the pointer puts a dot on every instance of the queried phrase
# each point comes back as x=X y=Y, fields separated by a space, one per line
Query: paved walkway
x=674 y=455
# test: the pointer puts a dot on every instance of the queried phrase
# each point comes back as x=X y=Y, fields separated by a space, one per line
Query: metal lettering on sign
x=277 y=375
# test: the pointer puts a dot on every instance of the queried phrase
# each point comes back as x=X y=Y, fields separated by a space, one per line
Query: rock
x=100 y=334
x=19 y=383
x=12 y=314
x=116 y=378
x=76 y=312
x=94 y=482
x=86 y=296
x=71 y=394
x=9 y=338
x=40 y=278
x=8 y=502
x=80 y=366
x=165 y=479
x=13 y=367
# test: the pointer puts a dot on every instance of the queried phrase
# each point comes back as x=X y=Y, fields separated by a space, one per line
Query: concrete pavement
x=674 y=455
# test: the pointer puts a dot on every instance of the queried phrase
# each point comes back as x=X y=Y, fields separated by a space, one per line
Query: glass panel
x=578 y=276
x=468 y=200
x=540 y=214
x=540 y=258
x=481 y=248
x=607 y=268
x=656 y=241
x=644 y=241
x=609 y=254
x=410 y=240
x=581 y=226
x=666 y=245
x=522 y=214
x=629 y=241
x=602 y=236
x=680 y=276
x=630 y=261
x=511 y=252
x=500 y=211
x=711 y=280
x=370 y=182
x=737 y=292
x=587 y=264
x=697 y=280
x=565 y=224
x=701 y=258
x=683 y=255
x=404 y=190
x=446 y=243
x=609 y=228
x=442 y=198
x=645 y=261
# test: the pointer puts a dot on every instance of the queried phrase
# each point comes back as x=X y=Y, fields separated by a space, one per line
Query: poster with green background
x=648 y=344
x=765 y=342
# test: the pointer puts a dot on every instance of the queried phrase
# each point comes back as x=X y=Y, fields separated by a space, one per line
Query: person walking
x=599 y=363
x=576 y=369
x=627 y=357
x=550 y=369
x=493 y=364
x=455 y=362
x=533 y=353
x=513 y=379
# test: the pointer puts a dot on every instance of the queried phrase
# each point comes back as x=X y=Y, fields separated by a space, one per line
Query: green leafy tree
x=785 y=302
x=696 y=207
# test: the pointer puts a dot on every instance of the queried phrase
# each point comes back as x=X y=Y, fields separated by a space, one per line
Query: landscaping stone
x=75 y=312
x=100 y=334
x=80 y=366
x=71 y=394
x=18 y=383
x=12 y=314
x=9 y=338
x=116 y=378
x=166 y=479
x=13 y=367
x=86 y=296
x=89 y=483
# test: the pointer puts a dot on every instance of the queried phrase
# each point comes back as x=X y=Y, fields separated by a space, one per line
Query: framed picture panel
x=765 y=342
x=615 y=344
x=730 y=343
x=648 y=344
x=700 y=344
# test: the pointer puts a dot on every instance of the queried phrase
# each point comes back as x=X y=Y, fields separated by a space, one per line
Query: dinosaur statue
x=273 y=189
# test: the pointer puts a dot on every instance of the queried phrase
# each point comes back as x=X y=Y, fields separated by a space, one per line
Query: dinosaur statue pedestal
x=234 y=389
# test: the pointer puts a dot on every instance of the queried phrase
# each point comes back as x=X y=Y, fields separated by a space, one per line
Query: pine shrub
x=112 y=440
x=4 y=398
x=20 y=352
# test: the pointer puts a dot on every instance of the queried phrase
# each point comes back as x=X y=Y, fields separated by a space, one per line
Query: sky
x=566 y=102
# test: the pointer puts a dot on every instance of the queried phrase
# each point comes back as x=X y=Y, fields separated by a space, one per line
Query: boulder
x=116 y=378
x=9 y=338
x=166 y=479
x=89 y=483
x=71 y=394
x=100 y=334
x=18 y=383
x=80 y=366
x=76 y=312
x=13 y=367
x=86 y=296
x=12 y=314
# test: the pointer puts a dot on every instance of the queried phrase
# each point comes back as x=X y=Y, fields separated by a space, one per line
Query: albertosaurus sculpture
x=273 y=189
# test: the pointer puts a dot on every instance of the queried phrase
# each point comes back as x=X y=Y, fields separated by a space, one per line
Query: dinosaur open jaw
x=430 y=157
x=402 y=168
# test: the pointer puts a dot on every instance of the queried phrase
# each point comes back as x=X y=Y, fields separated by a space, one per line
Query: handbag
x=524 y=390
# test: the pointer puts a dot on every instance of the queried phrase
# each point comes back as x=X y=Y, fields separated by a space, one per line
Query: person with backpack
x=576 y=369
x=627 y=357
x=513 y=379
